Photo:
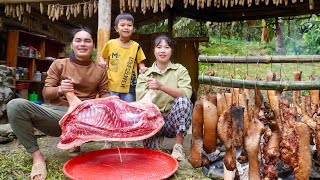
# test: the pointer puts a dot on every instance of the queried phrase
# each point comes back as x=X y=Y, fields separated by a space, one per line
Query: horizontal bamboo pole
x=24 y=1
x=260 y=84
x=260 y=59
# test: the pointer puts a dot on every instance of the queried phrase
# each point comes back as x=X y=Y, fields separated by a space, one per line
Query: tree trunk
x=279 y=38
x=265 y=32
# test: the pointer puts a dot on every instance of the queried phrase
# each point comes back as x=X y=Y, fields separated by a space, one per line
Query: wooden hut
x=54 y=19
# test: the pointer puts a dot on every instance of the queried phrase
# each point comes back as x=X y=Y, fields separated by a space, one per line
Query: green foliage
x=183 y=27
x=233 y=47
x=158 y=27
x=312 y=41
x=302 y=36
x=11 y=136
x=17 y=165
x=238 y=30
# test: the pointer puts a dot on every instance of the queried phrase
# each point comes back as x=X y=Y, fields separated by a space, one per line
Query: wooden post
x=12 y=50
x=104 y=24
x=311 y=4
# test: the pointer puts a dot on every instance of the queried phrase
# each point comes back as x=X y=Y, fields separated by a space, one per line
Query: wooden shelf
x=29 y=81
x=45 y=46
x=39 y=59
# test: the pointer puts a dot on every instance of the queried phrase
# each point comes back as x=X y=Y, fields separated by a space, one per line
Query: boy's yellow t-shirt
x=121 y=62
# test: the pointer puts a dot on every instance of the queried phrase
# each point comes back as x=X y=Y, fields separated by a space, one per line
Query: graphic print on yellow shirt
x=122 y=61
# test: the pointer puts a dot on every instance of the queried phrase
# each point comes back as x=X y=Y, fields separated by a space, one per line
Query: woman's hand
x=152 y=83
x=66 y=86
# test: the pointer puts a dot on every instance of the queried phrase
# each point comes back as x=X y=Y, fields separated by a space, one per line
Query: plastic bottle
x=26 y=73
x=17 y=74
x=21 y=73
x=37 y=76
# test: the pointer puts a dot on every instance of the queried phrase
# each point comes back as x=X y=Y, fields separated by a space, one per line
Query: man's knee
x=15 y=106
x=17 y=103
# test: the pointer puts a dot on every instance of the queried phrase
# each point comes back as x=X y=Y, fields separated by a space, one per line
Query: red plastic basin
x=122 y=163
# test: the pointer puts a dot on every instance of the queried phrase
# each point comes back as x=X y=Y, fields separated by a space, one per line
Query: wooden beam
x=25 y=1
x=238 y=13
x=260 y=59
x=59 y=32
x=104 y=24
x=259 y=84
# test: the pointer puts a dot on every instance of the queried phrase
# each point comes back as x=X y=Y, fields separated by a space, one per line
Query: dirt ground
x=56 y=155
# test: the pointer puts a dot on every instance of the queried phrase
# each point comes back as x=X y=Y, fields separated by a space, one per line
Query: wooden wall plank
x=12 y=48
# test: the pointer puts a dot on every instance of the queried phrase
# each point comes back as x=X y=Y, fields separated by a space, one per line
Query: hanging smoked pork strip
x=317 y=136
x=108 y=119
x=296 y=95
x=210 y=117
x=230 y=132
x=207 y=87
x=271 y=117
x=314 y=96
x=295 y=142
x=271 y=154
x=274 y=101
x=306 y=118
x=197 y=134
x=252 y=146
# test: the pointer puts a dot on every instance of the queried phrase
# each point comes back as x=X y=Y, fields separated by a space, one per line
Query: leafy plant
x=183 y=27
x=312 y=41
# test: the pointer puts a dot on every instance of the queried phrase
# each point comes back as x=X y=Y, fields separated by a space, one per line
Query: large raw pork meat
x=109 y=119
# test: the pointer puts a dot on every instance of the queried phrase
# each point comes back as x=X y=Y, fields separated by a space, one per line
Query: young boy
x=123 y=56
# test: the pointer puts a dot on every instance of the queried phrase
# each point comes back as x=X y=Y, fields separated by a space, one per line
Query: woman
x=173 y=91
x=64 y=75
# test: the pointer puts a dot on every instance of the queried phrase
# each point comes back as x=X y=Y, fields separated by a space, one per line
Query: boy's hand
x=143 y=70
x=102 y=62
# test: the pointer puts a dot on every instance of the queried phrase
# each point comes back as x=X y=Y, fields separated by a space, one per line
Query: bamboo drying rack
x=259 y=84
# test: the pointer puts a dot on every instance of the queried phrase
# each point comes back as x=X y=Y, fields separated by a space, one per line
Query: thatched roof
x=149 y=11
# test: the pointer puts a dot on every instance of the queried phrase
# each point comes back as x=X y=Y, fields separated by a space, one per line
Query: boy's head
x=123 y=24
x=123 y=16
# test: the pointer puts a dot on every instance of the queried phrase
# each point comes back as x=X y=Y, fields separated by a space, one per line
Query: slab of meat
x=295 y=142
x=210 y=121
x=296 y=95
x=252 y=145
x=108 y=119
x=230 y=132
x=197 y=134
x=271 y=154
